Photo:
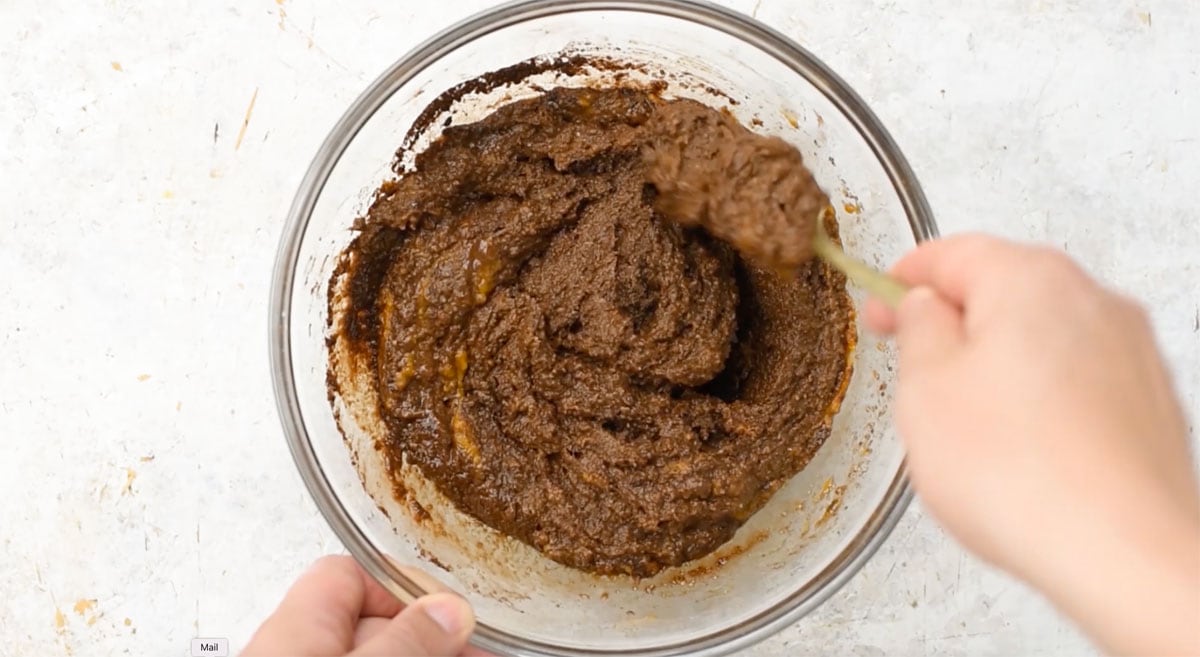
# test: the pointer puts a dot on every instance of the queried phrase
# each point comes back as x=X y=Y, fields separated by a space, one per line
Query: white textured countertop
x=149 y=151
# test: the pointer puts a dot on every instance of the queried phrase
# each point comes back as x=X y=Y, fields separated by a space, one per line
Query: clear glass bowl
x=813 y=535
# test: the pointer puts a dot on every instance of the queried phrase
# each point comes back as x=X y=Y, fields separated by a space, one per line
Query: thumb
x=928 y=329
x=436 y=625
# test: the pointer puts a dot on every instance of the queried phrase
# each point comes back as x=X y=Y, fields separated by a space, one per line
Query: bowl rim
x=920 y=218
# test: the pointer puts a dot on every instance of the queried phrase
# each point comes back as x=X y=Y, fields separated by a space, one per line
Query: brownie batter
x=617 y=388
x=751 y=191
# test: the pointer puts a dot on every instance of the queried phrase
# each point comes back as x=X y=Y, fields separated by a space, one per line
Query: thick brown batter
x=618 y=390
x=751 y=191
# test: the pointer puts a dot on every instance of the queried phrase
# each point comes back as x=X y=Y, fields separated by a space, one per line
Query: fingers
x=929 y=329
x=336 y=605
x=437 y=625
x=376 y=600
x=319 y=612
x=958 y=266
x=955 y=267
x=368 y=628
x=879 y=317
x=379 y=605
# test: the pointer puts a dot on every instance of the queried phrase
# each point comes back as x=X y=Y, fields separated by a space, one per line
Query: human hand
x=337 y=609
x=1043 y=432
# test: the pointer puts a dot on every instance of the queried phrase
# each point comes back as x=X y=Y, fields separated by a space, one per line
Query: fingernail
x=449 y=611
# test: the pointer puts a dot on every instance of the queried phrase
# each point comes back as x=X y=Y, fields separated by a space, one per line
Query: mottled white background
x=146 y=494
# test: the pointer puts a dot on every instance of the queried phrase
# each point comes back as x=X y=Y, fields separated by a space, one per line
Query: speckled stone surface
x=148 y=496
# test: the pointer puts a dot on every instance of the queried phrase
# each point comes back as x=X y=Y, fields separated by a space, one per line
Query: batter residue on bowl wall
x=569 y=366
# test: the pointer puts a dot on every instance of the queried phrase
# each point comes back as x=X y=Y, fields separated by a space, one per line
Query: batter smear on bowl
x=564 y=343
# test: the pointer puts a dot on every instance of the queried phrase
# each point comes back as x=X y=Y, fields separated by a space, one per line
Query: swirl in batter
x=574 y=360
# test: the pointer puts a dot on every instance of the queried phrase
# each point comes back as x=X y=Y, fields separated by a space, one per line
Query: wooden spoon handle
x=886 y=288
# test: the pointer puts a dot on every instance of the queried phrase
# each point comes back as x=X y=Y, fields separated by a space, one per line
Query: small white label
x=210 y=647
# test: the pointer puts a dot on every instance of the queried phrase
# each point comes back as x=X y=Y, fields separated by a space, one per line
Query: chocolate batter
x=751 y=191
x=619 y=389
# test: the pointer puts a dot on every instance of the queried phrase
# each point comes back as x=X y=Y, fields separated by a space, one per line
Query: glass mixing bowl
x=816 y=531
